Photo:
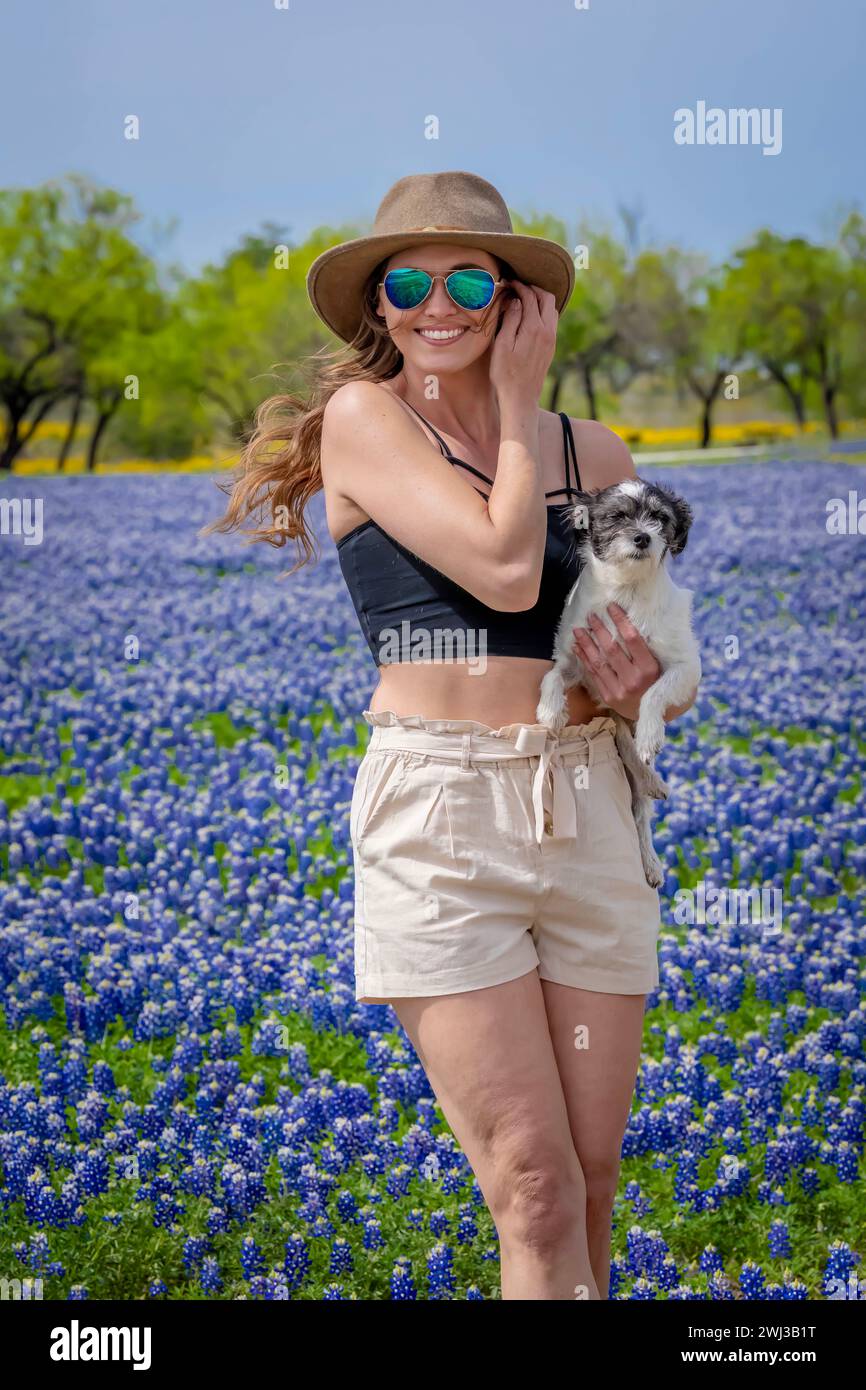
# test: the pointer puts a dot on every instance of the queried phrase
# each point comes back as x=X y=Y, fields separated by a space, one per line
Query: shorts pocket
x=378 y=781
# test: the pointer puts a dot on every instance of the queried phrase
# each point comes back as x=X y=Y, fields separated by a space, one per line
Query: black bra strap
x=446 y=451
x=570 y=453
x=441 y=442
x=463 y=464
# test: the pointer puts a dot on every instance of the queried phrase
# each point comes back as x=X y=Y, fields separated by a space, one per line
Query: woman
x=501 y=908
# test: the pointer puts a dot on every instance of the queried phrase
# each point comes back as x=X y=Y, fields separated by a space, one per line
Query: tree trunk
x=828 y=379
x=555 y=392
x=707 y=398
x=107 y=403
x=795 y=397
x=589 y=388
x=72 y=427
x=16 y=438
x=102 y=420
x=706 y=423
x=11 y=446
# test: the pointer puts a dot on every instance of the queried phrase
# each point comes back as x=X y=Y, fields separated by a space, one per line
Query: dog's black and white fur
x=625 y=532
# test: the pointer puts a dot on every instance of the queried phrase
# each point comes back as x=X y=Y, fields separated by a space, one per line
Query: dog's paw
x=551 y=716
x=654 y=785
x=648 y=739
x=652 y=867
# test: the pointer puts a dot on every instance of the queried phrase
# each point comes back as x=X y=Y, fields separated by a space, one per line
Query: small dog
x=624 y=533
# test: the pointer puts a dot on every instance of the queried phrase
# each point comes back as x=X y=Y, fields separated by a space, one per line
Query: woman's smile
x=440 y=335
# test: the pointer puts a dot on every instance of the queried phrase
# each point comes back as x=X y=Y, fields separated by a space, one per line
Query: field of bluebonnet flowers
x=192 y=1105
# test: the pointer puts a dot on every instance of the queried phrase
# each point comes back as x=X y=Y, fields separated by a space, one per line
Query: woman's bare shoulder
x=356 y=399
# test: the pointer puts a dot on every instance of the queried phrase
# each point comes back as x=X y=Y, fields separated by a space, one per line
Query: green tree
x=37 y=369
x=673 y=318
x=589 y=340
x=238 y=321
x=794 y=301
x=77 y=291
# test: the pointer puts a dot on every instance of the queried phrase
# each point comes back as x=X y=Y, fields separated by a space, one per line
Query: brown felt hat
x=453 y=206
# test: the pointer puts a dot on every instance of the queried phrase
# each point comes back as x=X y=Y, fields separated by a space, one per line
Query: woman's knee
x=540 y=1198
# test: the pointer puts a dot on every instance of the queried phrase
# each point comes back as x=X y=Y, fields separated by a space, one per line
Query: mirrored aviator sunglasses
x=406 y=288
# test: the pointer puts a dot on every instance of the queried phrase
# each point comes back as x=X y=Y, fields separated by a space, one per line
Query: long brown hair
x=280 y=469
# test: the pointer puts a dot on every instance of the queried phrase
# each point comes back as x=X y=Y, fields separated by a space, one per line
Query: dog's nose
x=641 y=540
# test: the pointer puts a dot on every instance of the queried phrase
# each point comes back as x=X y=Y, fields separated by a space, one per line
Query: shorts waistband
x=469 y=741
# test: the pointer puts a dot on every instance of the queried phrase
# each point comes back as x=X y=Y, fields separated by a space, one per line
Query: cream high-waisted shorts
x=482 y=853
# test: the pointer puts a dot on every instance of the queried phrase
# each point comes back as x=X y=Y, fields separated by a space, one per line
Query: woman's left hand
x=621 y=674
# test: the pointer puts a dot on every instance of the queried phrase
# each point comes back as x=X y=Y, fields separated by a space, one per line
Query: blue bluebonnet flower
x=373 y=1238
x=752 y=1280
x=841 y=1264
x=618 y=1274
x=710 y=1260
x=440 y=1271
x=439 y=1222
x=341 y=1257
x=210 y=1278
x=297 y=1262
x=252 y=1259
x=402 y=1283
x=467 y=1226
x=779 y=1239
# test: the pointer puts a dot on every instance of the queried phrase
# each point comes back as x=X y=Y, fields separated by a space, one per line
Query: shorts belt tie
x=544 y=745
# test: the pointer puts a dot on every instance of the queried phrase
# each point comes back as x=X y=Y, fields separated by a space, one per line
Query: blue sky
x=306 y=115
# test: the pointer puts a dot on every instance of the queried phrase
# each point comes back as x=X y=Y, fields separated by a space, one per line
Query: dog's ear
x=683 y=518
x=580 y=511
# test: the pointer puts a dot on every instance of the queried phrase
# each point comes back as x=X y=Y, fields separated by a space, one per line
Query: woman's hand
x=524 y=345
x=621 y=675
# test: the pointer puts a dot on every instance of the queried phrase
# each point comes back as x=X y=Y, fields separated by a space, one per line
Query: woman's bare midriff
x=505 y=691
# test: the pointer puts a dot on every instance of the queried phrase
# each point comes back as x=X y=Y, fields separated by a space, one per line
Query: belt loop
x=464 y=751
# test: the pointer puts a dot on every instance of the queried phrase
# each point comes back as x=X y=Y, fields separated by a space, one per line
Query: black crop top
x=410 y=611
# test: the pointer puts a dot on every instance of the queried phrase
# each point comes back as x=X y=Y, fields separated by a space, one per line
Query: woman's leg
x=488 y=1056
x=598 y=1067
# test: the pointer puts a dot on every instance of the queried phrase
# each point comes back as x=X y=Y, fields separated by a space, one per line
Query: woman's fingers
x=591 y=652
x=528 y=299
x=638 y=650
x=592 y=657
x=509 y=322
x=614 y=654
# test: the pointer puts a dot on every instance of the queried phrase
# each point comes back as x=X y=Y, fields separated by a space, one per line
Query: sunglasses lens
x=471 y=289
x=406 y=288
